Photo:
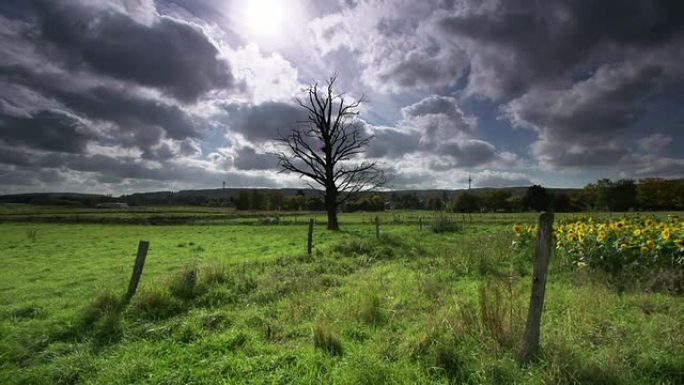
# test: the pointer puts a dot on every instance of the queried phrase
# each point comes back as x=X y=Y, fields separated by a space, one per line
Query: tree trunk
x=331 y=208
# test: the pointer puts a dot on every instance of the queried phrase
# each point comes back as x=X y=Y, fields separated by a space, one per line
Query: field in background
x=231 y=297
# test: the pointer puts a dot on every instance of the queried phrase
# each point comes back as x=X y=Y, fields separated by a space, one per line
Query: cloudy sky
x=116 y=96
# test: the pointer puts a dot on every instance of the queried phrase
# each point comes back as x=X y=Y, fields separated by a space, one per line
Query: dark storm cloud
x=655 y=166
x=248 y=159
x=169 y=54
x=112 y=103
x=29 y=177
x=421 y=69
x=138 y=121
x=438 y=129
x=655 y=143
x=468 y=152
x=584 y=125
x=516 y=44
x=264 y=122
x=389 y=142
x=502 y=47
x=581 y=73
x=46 y=130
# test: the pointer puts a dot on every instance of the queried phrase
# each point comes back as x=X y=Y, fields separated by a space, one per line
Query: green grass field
x=232 y=298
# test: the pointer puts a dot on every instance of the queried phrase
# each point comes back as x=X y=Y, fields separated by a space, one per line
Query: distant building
x=112 y=205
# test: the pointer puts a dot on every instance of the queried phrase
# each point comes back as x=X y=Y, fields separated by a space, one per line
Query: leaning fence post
x=137 y=269
x=377 y=227
x=310 y=240
x=542 y=254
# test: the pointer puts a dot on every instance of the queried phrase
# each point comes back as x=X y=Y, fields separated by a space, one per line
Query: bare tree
x=324 y=149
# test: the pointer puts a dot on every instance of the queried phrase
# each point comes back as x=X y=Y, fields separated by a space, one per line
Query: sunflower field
x=630 y=243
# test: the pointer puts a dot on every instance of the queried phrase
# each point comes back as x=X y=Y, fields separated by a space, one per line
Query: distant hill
x=56 y=199
x=226 y=194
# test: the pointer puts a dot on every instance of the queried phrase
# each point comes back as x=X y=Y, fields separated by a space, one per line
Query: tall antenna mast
x=469 y=180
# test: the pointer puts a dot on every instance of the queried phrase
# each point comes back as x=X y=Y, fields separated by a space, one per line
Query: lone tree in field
x=324 y=148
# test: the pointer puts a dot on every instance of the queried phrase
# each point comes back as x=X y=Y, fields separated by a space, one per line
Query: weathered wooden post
x=377 y=227
x=137 y=270
x=542 y=254
x=309 y=243
x=420 y=223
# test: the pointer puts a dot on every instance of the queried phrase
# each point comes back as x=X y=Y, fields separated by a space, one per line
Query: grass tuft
x=27 y=312
x=103 y=305
x=445 y=356
x=155 y=305
x=498 y=312
x=214 y=273
x=324 y=339
x=445 y=224
x=32 y=234
x=108 y=329
x=185 y=284
x=370 y=310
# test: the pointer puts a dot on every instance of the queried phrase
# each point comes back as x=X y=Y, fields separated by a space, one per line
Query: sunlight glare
x=265 y=19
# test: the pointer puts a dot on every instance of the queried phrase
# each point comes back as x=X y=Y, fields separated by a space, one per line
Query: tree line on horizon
x=650 y=194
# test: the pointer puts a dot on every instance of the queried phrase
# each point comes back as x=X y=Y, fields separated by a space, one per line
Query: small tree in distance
x=324 y=149
x=537 y=198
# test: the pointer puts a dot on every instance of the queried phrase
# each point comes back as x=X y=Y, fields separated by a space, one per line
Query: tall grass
x=326 y=340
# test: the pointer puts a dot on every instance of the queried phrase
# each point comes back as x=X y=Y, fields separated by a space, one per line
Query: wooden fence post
x=542 y=254
x=420 y=223
x=137 y=270
x=377 y=227
x=309 y=243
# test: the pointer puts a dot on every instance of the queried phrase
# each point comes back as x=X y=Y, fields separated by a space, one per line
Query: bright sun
x=268 y=21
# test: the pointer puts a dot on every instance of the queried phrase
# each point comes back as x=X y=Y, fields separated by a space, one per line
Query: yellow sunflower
x=517 y=229
x=665 y=234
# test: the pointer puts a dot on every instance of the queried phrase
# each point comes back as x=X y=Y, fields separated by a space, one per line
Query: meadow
x=231 y=297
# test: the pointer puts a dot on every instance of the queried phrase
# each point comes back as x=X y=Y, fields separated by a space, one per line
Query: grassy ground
x=240 y=302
